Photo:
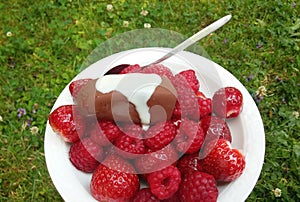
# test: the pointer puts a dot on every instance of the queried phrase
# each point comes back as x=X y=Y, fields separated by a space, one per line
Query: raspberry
x=85 y=155
x=223 y=162
x=157 y=160
x=114 y=180
x=189 y=163
x=160 y=135
x=129 y=146
x=145 y=195
x=215 y=128
x=67 y=122
x=190 y=138
x=227 y=102
x=133 y=130
x=105 y=133
x=158 y=69
x=76 y=85
x=164 y=183
x=191 y=79
x=198 y=186
x=131 y=69
x=187 y=101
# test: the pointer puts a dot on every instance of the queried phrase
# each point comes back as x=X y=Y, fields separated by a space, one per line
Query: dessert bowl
x=247 y=129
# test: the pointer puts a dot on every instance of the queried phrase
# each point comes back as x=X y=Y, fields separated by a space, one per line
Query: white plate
x=247 y=129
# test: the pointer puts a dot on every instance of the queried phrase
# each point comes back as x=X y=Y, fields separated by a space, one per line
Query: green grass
x=49 y=41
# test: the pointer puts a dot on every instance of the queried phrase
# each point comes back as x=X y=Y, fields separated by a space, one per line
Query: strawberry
x=131 y=69
x=67 y=122
x=223 y=162
x=114 y=180
x=153 y=161
x=76 y=85
x=227 y=102
x=214 y=128
x=145 y=195
x=198 y=186
x=190 y=138
x=189 y=163
x=160 y=135
x=164 y=183
x=191 y=79
x=105 y=132
x=85 y=155
x=187 y=101
x=159 y=69
x=130 y=147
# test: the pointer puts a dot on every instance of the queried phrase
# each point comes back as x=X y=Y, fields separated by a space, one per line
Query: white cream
x=136 y=87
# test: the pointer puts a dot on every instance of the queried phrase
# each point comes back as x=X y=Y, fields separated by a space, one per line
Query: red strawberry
x=157 y=160
x=130 y=147
x=187 y=101
x=164 y=183
x=105 y=132
x=160 y=135
x=114 y=180
x=67 y=122
x=223 y=162
x=227 y=102
x=158 y=69
x=190 y=138
x=191 y=79
x=85 y=155
x=145 y=195
x=131 y=69
x=76 y=85
x=198 y=186
x=189 y=163
x=215 y=128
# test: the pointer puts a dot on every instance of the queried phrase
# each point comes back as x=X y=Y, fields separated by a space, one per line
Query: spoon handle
x=196 y=37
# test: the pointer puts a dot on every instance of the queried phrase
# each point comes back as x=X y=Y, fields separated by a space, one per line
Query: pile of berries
x=182 y=159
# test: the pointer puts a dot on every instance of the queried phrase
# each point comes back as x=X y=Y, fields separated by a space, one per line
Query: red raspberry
x=227 y=102
x=164 y=183
x=187 y=101
x=191 y=79
x=223 y=162
x=133 y=130
x=131 y=69
x=198 y=186
x=158 y=69
x=105 y=133
x=190 y=138
x=145 y=195
x=215 y=128
x=157 y=160
x=189 y=163
x=130 y=146
x=85 y=155
x=76 y=85
x=67 y=122
x=160 y=135
x=114 y=180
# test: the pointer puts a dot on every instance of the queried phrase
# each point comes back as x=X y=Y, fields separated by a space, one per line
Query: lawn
x=44 y=44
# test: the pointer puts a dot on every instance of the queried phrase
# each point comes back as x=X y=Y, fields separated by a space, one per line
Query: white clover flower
x=109 y=7
x=34 y=130
x=277 y=192
x=23 y=127
x=147 y=25
x=125 y=23
x=144 y=12
x=261 y=91
x=296 y=114
x=1 y=119
x=8 y=34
